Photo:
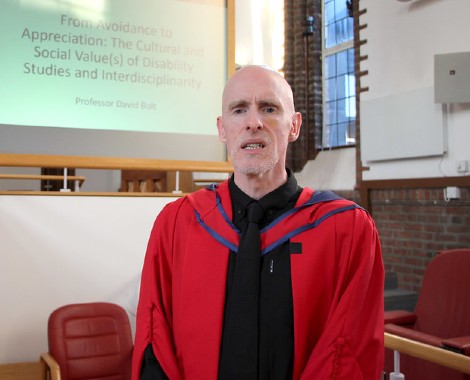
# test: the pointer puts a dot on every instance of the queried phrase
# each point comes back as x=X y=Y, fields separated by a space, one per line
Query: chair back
x=91 y=341
x=443 y=306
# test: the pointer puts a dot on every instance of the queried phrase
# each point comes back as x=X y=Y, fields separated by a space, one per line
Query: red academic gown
x=337 y=286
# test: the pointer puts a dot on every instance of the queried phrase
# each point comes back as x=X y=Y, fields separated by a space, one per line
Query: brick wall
x=303 y=71
x=414 y=225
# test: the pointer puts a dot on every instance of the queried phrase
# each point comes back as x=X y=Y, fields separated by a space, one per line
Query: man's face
x=258 y=120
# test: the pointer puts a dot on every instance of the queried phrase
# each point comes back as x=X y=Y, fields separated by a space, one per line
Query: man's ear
x=221 y=130
x=295 y=126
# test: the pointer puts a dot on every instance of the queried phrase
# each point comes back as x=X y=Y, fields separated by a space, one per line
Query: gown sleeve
x=351 y=344
x=154 y=311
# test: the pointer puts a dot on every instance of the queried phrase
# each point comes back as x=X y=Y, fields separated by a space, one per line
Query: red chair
x=89 y=341
x=441 y=317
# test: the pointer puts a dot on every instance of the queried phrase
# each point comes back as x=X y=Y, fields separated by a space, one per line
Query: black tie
x=239 y=354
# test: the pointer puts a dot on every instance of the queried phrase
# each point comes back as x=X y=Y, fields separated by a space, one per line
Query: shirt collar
x=271 y=202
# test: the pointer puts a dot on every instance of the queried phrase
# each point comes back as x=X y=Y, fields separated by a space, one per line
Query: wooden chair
x=155 y=181
x=142 y=181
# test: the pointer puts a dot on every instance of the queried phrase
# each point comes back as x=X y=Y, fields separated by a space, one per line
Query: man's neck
x=258 y=185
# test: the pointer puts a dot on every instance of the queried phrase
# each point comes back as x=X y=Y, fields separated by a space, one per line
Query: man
x=312 y=307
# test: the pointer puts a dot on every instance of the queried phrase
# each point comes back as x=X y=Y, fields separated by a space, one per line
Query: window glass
x=330 y=114
x=330 y=90
x=339 y=77
x=330 y=66
x=342 y=58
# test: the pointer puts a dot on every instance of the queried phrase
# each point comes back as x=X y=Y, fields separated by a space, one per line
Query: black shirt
x=276 y=326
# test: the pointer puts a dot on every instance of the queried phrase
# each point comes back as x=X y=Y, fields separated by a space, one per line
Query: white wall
x=402 y=39
x=332 y=169
x=56 y=250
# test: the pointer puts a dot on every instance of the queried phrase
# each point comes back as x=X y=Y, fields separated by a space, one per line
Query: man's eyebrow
x=238 y=104
x=270 y=103
x=262 y=104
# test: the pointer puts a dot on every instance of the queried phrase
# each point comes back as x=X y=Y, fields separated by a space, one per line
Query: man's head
x=258 y=121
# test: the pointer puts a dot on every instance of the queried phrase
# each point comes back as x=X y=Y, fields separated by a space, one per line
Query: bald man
x=299 y=298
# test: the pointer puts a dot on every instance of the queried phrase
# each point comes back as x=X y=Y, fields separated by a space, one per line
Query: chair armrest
x=400 y=317
x=52 y=365
x=459 y=344
x=413 y=335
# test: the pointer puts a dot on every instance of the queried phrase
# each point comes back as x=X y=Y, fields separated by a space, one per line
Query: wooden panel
x=23 y=371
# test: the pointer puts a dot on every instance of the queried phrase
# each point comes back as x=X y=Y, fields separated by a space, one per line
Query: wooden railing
x=433 y=354
x=46 y=177
x=110 y=163
x=104 y=163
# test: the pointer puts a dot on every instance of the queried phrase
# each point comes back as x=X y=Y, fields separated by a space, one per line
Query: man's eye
x=238 y=110
x=270 y=110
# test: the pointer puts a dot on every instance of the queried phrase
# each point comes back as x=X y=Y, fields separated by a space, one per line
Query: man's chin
x=253 y=168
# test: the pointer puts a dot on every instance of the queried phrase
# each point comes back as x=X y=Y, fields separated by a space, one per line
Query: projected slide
x=141 y=65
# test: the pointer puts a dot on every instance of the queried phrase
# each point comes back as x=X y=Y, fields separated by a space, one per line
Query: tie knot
x=255 y=212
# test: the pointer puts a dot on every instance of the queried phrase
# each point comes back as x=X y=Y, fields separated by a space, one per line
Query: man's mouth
x=251 y=146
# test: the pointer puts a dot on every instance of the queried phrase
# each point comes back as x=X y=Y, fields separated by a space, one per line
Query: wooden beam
x=433 y=354
x=110 y=163
x=416 y=183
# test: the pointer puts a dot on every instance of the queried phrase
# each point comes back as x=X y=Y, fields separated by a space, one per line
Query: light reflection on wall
x=259 y=30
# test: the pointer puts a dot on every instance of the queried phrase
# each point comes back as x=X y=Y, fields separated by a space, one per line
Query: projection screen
x=112 y=77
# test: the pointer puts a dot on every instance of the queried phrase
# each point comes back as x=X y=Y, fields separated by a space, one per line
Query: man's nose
x=253 y=121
